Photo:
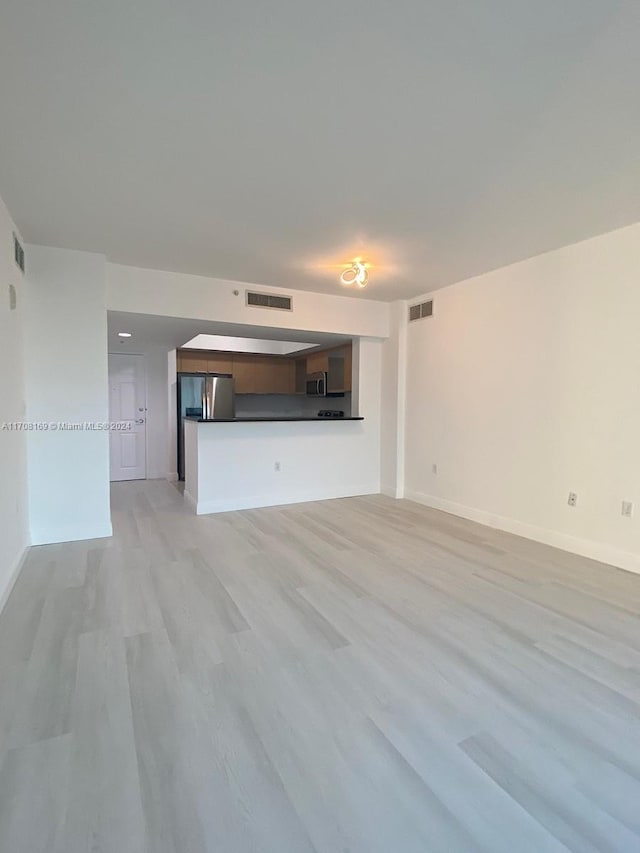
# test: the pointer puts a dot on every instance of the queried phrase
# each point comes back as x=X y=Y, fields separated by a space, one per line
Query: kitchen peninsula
x=265 y=386
x=280 y=449
x=252 y=462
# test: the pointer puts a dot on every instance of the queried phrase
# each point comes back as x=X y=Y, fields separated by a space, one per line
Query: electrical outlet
x=276 y=466
x=573 y=499
x=627 y=509
x=434 y=468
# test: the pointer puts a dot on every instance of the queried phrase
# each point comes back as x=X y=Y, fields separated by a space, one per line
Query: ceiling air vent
x=18 y=253
x=269 y=300
x=424 y=309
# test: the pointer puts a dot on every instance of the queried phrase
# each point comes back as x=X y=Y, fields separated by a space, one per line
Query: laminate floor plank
x=359 y=675
x=34 y=785
x=105 y=807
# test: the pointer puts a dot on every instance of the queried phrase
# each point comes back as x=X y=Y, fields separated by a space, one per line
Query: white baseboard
x=191 y=501
x=172 y=477
x=18 y=563
x=70 y=534
x=256 y=501
x=599 y=551
x=391 y=492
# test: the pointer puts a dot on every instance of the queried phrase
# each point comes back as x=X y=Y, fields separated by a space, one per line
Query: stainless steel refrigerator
x=202 y=395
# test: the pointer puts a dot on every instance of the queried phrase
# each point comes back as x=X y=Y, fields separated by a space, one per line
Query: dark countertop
x=267 y=420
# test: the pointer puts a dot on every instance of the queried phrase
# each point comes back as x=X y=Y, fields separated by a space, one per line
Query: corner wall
x=14 y=533
x=525 y=385
x=66 y=373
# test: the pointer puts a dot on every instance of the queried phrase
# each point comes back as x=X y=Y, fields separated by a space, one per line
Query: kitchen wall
x=524 y=386
x=66 y=381
x=283 y=405
x=14 y=533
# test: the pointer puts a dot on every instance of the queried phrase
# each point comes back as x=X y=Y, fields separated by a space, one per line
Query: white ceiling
x=263 y=141
x=148 y=331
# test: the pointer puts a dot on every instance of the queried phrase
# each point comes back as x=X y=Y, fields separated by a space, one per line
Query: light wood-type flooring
x=354 y=676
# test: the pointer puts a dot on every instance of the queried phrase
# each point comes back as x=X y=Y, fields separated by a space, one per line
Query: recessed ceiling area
x=270 y=143
x=227 y=343
x=148 y=331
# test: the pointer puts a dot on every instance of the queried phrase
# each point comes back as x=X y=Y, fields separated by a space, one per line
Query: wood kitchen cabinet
x=337 y=363
x=318 y=362
x=244 y=373
x=256 y=373
x=272 y=375
x=219 y=362
x=279 y=376
x=193 y=362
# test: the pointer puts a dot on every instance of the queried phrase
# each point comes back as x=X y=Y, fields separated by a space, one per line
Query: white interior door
x=128 y=410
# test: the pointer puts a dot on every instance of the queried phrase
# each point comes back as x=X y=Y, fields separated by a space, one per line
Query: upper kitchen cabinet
x=192 y=362
x=244 y=373
x=318 y=362
x=220 y=362
x=256 y=373
x=273 y=375
x=336 y=363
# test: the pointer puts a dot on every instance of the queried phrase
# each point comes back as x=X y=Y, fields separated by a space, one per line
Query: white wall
x=168 y=294
x=66 y=376
x=14 y=535
x=524 y=385
x=394 y=355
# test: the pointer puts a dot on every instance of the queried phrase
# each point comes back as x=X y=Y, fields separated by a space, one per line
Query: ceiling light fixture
x=355 y=274
x=124 y=334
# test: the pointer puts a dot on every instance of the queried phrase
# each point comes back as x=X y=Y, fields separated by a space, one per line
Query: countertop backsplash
x=267 y=405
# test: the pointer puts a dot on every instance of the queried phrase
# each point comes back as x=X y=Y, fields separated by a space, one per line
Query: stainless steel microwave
x=317 y=385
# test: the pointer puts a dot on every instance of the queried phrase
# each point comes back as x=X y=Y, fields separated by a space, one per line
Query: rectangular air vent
x=269 y=300
x=424 y=309
x=18 y=253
